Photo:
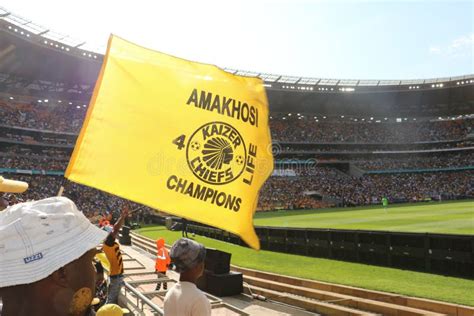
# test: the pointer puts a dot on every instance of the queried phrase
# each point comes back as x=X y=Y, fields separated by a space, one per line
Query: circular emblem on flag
x=216 y=153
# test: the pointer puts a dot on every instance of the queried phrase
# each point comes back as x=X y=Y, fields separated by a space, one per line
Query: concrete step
x=308 y=304
x=340 y=299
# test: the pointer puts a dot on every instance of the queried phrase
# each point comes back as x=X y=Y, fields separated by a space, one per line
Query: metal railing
x=141 y=300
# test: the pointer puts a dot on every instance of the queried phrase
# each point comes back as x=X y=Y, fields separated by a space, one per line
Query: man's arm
x=121 y=220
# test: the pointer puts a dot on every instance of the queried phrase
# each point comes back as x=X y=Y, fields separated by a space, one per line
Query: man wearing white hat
x=46 y=259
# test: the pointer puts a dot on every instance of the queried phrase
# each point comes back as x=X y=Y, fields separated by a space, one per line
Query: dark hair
x=98 y=266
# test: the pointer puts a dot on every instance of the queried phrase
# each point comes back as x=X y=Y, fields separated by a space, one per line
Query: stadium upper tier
x=38 y=62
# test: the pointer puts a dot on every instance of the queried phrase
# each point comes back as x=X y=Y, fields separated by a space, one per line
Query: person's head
x=3 y=203
x=160 y=243
x=46 y=257
x=111 y=310
x=188 y=258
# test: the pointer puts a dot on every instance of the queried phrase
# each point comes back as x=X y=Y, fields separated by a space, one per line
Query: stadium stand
x=336 y=142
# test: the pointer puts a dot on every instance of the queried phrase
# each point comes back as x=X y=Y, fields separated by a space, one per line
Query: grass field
x=448 y=217
x=434 y=217
x=449 y=289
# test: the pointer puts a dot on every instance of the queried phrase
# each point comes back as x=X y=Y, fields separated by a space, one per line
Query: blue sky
x=326 y=39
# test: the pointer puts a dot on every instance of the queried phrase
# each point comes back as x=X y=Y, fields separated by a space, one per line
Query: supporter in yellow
x=111 y=249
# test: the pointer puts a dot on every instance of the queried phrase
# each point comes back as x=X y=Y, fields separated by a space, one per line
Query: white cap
x=37 y=238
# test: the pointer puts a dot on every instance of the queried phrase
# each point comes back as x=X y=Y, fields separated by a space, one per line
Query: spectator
x=52 y=273
x=184 y=227
x=111 y=249
x=162 y=262
x=184 y=298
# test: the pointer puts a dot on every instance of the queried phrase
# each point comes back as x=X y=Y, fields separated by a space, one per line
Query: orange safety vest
x=161 y=265
x=114 y=256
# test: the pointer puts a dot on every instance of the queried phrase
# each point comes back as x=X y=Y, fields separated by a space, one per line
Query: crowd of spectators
x=38 y=138
x=43 y=116
x=32 y=163
x=444 y=160
x=310 y=188
x=68 y=118
x=295 y=129
x=302 y=190
x=315 y=188
x=93 y=203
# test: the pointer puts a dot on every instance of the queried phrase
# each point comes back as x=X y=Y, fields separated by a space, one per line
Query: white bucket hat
x=37 y=238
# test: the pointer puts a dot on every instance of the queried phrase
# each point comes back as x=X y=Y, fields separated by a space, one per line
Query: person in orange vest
x=162 y=262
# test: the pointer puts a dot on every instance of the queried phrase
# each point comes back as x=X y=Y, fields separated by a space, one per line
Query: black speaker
x=217 y=262
x=124 y=237
x=226 y=284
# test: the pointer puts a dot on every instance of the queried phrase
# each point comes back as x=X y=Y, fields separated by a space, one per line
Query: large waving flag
x=184 y=137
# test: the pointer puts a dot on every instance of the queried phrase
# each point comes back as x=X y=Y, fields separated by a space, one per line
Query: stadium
x=340 y=147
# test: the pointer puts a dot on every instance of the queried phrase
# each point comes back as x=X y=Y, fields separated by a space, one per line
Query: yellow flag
x=184 y=137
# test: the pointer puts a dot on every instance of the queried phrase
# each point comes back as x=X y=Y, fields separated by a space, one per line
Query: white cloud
x=435 y=50
x=459 y=47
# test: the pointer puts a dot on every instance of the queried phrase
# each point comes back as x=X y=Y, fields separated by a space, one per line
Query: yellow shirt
x=115 y=258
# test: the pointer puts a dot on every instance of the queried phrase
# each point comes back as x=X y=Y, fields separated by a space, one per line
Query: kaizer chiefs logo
x=216 y=153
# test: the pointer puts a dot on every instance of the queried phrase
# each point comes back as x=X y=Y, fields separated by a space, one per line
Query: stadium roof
x=26 y=27
x=36 y=29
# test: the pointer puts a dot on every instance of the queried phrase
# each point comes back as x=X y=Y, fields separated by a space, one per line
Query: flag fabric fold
x=187 y=138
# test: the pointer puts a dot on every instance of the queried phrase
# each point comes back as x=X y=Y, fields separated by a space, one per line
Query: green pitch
x=437 y=287
x=433 y=217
